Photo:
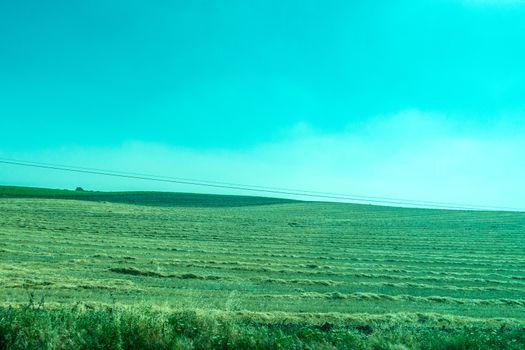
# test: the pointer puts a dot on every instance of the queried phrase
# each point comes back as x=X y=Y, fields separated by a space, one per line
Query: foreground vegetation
x=128 y=270
x=79 y=327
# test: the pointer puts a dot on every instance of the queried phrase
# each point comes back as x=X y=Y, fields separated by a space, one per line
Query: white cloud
x=495 y=2
x=413 y=155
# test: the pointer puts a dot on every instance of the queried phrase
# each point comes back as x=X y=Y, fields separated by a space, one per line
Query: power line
x=350 y=197
x=253 y=188
x=216 y=184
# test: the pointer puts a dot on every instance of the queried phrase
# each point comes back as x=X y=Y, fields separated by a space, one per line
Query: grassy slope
x=165 y=199
x=301 y=262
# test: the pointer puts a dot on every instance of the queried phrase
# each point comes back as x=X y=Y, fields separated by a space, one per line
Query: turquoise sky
x=237 y=77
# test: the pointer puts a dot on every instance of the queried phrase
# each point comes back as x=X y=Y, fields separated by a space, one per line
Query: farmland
x=261 y=261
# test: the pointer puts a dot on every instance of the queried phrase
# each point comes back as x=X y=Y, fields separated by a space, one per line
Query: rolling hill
x=273 y=264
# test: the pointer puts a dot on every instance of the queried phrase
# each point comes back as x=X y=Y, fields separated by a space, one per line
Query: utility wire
x=248 y=187
x=354 y=198
x=348 y=196
x=252 y=188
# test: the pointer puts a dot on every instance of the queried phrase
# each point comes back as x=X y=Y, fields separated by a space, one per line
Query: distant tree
x=79 y=189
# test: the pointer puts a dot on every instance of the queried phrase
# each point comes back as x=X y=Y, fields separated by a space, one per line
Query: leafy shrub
x=141 y=328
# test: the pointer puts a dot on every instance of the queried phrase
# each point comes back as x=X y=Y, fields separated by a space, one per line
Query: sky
x=408 y=99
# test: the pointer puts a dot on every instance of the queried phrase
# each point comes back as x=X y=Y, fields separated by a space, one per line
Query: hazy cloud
x=495 y=2
x=412 y=154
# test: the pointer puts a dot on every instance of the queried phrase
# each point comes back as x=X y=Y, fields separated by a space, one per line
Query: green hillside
x=167 y=199
x=262 y=265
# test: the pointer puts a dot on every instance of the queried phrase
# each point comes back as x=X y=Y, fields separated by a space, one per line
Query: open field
x=260 y=261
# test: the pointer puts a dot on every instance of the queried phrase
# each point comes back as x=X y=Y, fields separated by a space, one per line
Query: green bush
x=139 y=328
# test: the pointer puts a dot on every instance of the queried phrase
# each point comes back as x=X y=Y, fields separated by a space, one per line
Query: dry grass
x=291 y=258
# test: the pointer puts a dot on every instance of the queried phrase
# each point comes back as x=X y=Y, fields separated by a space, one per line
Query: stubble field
x=263 y=264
